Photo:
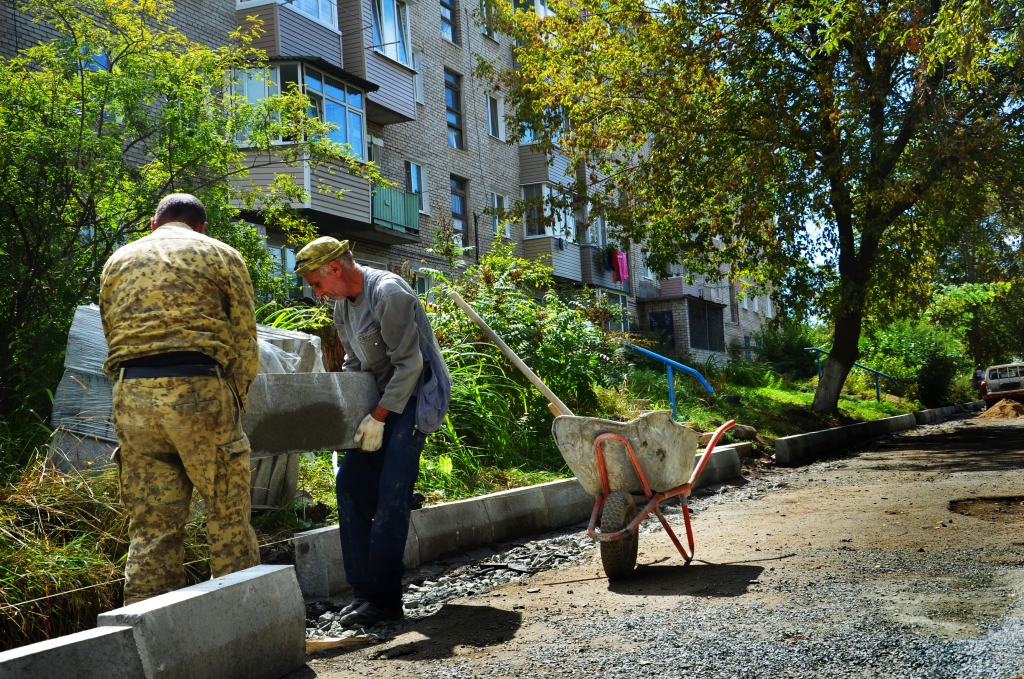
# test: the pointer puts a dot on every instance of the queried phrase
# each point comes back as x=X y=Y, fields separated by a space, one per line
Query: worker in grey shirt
x=384 y=330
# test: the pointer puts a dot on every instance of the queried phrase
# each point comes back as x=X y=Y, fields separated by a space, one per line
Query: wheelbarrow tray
x=665 y=449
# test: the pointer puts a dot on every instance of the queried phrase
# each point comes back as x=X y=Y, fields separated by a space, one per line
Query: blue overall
x=374 y=503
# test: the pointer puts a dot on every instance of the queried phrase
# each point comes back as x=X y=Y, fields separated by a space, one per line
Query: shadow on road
x=454 y=625
x=977 y=448
x=719 y=580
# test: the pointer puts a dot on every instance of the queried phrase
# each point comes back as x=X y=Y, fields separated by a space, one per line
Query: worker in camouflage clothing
x=177 y=311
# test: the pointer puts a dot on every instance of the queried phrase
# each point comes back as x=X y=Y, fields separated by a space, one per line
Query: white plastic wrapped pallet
x=84 y=435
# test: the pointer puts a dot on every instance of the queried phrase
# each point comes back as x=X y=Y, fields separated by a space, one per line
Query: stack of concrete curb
x=247 y=625
x=443 y=530
x=792 y=451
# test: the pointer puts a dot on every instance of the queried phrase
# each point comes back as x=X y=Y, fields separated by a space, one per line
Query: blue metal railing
x=877 y=373
x=671 y=365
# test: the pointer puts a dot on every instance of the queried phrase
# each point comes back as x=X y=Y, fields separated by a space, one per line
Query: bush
x=497 y=418
x=924 y=359
x=783 y=346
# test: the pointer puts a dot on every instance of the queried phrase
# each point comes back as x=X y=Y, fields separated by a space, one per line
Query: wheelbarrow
x=651 y=458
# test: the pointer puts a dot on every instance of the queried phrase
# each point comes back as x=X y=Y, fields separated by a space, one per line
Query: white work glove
x=370 y=434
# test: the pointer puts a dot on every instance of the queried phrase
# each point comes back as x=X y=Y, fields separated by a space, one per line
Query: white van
x=1003 y=381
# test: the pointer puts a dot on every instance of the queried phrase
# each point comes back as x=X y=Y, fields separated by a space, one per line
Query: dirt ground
x=904 y=559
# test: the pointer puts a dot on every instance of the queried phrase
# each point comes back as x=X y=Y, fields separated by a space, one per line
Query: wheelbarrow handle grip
x=707 y=451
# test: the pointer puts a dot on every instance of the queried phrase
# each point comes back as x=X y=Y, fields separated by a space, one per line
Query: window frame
x=456 y=128
x=323 y=97
x=496 y=118
x=562 y=225
x=417 y=77
x=452 y=23
x=462 y=192
x=495 y=199
x=401 y=40
x=333 y=24
x=424 y=192
x=485 y=25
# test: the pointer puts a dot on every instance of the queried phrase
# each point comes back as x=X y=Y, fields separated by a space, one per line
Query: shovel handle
x=556 y=405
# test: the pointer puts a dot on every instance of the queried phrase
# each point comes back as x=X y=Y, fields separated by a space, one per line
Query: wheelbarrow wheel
x=619 y=557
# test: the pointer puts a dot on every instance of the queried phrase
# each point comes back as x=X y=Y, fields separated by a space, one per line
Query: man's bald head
x=181 y=207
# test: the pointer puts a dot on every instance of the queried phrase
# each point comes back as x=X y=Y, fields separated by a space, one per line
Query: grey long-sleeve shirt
x=379 y=332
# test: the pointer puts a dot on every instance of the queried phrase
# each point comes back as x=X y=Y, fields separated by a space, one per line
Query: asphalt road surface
x=903 y=560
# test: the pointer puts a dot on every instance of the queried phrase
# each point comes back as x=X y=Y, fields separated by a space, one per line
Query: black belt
x=170 y=371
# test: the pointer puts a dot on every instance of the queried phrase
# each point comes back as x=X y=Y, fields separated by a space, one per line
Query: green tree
x=767 y=136
x=99 y=124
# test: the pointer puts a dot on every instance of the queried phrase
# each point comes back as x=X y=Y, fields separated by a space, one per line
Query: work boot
x=353 y=605
x=368 y=615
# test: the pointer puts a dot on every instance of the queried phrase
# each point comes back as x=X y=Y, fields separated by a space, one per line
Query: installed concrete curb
x=451 y=528
x=246 y=625
x=443 y=530
x=936 y=414
x=101 y=653
x=320 y=566
x=791 y=451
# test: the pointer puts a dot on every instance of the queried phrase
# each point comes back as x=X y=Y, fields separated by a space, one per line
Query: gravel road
x=903 y=560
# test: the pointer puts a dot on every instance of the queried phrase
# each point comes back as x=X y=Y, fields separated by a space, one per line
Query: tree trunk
x=840 y=362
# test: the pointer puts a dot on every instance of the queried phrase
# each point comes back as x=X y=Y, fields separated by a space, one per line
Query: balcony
x=348 y=208
x=397 y=210
x=559 y=253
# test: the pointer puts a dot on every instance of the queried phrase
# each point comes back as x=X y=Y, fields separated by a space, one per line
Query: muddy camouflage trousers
x=178 y=434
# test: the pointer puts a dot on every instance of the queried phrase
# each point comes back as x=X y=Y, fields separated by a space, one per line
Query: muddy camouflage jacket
x=178 y=290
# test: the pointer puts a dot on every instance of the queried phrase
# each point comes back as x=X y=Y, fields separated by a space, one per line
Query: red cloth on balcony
x=622 y=264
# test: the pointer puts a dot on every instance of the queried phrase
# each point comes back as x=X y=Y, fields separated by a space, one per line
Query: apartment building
x=397 y=78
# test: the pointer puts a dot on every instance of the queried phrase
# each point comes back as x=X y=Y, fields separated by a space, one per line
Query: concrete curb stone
x=935 y=414
x=724 y=465
x=100 y=653
x=247 y=625
x=792 y=451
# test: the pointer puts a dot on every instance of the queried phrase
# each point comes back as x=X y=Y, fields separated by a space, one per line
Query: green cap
x=314 y=255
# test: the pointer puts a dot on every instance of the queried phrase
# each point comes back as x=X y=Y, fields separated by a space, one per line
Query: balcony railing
x=396 y=209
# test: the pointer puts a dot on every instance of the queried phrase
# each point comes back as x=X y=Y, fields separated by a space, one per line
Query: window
x=496 y=117
x=757 y=305
x=390 y=20
x=768 y=306
x=416 y=182
x=621 y=322
x=417 y=78
x=533 y=197
x=325 y=11
x=341 y=105
x=648 y=271
x=746 y=347
x=448 y=20
x=542 y=218
x=485 y=26
x=498 y=204
x=375 y=149
x=458 y=204
x=746 y=302
x=453 y=106
x=255 y=85
x=707 y=330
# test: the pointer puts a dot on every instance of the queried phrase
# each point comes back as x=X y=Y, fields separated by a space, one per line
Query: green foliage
x=779 y=139
x=497 y=419
x=924 y=359
x=783 y=346
x=98 y=125
x=297 y=317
